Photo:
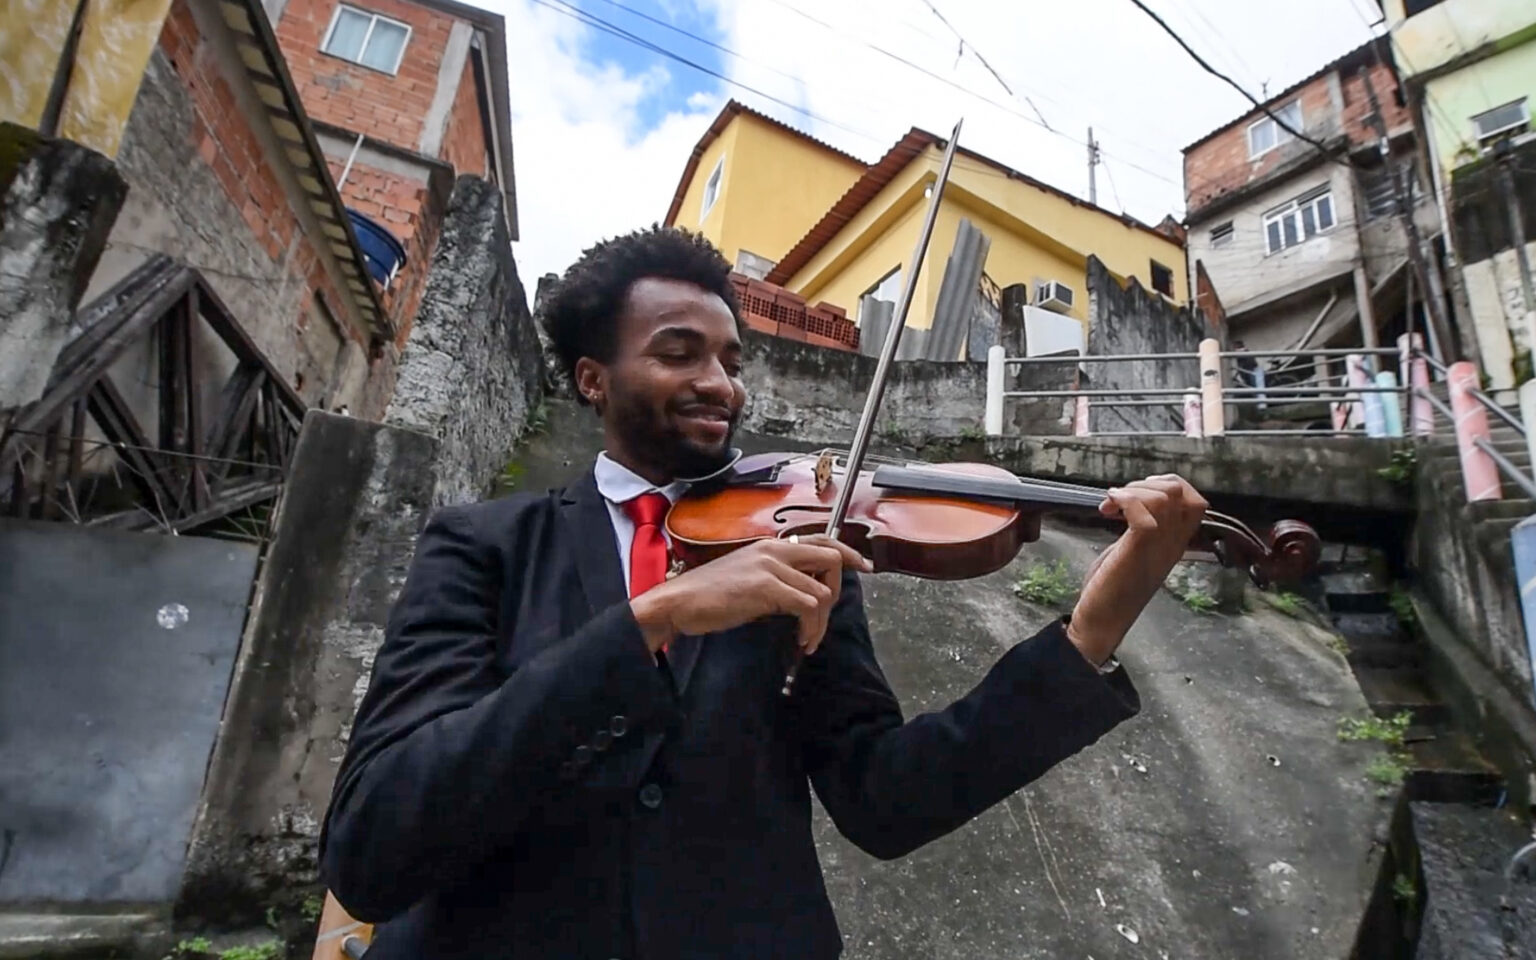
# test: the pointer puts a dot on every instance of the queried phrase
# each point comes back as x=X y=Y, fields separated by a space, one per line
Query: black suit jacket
x=524 y=780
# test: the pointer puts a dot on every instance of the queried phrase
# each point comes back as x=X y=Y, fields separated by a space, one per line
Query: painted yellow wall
x=117 y=38
x=1035 y=235
x=774 y=188
x=1458 y=96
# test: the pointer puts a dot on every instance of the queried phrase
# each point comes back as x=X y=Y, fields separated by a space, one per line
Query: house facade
x=1301 y=238
x=827 y=230
x=1470 y=69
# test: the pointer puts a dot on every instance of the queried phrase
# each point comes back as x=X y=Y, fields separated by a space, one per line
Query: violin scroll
x=1288 y=554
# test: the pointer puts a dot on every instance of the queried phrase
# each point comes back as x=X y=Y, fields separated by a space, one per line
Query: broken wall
x=1132 y=320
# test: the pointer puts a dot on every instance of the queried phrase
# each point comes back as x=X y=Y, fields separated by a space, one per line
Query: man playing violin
x=566 y=753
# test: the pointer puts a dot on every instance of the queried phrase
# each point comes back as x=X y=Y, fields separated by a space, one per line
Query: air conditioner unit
x=1053 y=295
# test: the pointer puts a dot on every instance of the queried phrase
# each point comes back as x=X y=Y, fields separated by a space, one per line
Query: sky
x=602 y=124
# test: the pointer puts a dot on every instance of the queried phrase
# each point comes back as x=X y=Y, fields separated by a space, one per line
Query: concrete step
x=1380 y=623
x=1394 y=690
x=1449 y=768
x=1353 y=581
x=1472 y=910
x=1517 y=509
x=1398 y=652
x=60 y=935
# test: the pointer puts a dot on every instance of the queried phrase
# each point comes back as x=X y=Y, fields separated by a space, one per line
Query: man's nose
x=713 y=383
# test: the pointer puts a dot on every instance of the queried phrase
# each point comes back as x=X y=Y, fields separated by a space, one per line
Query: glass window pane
x=1262 y=136
x=384 y=46
x=347 y=37
x=1291 y=113
x=1324 y=212
x=1289 y=223
x=1308 y=224
x=1273 y=232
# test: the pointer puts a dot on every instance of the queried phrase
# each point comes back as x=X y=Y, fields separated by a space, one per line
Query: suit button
x=601 y=740
x=650 y=796
x=618 y=726
x=582 y=756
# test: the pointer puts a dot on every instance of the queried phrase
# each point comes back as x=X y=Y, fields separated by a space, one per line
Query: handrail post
x=1193 y=427
x=996 y=366
x=1415 y=372
x=1478 y=471
x=1528 y=415
x=1212 y=409
x=1366 y=403
x=1391 y=406
x=1080 y=424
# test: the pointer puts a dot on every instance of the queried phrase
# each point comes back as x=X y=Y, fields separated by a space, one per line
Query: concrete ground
x=1226 y=820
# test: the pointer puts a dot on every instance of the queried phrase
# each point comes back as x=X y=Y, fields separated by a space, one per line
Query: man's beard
x=664 y=446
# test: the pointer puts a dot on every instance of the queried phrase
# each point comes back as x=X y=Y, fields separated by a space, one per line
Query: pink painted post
x=1194 y=422
x=1080 y=418
x=1478 y=471
x=1415 y=376
x=1354 y=366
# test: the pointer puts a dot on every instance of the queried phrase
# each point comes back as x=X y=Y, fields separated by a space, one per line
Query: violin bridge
x=824 y=471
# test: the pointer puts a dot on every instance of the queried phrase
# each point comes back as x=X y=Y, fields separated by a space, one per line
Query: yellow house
x=820 y=224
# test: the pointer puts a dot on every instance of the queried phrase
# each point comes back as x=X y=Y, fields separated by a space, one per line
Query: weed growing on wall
x=1047 y=584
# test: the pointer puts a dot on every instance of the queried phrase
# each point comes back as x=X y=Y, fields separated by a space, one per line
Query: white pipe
x=995 y=385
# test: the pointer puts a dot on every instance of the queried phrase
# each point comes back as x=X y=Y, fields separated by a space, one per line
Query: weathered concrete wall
x=816 y=394
x=58 y=201
x=1466 y=567
x=1328 y=472
x=471 y=371
x=357 y=496
x=1129 y=320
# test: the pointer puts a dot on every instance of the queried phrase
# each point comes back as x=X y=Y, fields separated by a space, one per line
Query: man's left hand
x=1162 y=515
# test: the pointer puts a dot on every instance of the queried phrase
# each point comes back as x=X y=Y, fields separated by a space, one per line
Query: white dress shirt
x=618 y=484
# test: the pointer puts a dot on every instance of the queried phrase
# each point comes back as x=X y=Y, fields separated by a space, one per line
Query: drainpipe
x=347 y=170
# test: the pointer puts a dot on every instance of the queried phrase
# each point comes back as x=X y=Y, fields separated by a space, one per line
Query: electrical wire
x=995 y=75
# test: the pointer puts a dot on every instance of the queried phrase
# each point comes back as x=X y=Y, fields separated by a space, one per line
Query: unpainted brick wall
x=1221 y=164
x=404 y=206
x=388 y=107
x=464 y=145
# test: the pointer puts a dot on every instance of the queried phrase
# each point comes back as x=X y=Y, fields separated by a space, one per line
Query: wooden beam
x=236 y=403
x=117 y=423
x=49 y=492
x=76 y=450
x=234 y=336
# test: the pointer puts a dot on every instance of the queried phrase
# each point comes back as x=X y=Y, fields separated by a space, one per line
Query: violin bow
x=861 y=433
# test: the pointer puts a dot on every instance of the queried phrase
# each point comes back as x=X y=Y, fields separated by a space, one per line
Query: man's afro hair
x=580 y=313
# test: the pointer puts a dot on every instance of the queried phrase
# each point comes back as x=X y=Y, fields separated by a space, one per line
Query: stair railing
x=1481 y=460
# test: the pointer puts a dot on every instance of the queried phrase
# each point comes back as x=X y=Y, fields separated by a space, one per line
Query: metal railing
x=1358 y=402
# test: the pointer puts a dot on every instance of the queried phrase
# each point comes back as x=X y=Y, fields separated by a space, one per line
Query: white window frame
x=1293 y=209
x=712 y=188
x=1222 y=235
x=1282 y=135
x=1486 y=138
x=376 y=17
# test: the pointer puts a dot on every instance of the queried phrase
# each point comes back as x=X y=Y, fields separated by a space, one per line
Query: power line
x=995 y=75
x=1229 y=81
x=1113 y=189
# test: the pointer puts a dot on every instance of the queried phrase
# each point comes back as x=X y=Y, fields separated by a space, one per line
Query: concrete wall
x=816 y=394
x=356 y=497
x=58 y=201
x=471 y=372
x=1129 y=320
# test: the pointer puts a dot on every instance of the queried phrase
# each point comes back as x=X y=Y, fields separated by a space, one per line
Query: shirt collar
x=619 y=484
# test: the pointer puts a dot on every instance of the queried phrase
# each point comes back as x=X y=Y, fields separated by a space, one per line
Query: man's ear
x=591 y=382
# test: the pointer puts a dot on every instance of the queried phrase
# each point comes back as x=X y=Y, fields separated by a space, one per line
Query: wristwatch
x=1110 y=665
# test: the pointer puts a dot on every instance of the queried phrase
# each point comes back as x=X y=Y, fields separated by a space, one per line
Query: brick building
x=403 y=95
x=1301 y=242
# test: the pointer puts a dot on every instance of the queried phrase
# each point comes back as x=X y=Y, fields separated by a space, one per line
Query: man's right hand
x=760 y=580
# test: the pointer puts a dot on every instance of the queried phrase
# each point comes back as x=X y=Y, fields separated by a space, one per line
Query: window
x=1265 y=134
x=1376 y=190
x=888 y=289
x=1221 y=234
x=712 y=188
x=366 y=38
x=1162 y=279
x=751 y=265
x=1298 y=221
x=1506 y=120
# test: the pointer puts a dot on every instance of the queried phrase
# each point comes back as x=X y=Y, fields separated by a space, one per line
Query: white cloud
x=587 y=170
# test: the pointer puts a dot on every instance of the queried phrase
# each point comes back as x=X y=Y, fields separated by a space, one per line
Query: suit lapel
x=597 y=554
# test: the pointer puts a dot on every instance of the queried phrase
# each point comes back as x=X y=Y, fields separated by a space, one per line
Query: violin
x=946 y=521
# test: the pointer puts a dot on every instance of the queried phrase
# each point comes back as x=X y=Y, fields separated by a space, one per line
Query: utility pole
x=1093 y=162
x=1419 y=253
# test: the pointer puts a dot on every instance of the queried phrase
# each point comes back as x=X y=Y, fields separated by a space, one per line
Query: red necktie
x=648 y=552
